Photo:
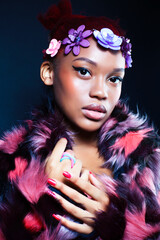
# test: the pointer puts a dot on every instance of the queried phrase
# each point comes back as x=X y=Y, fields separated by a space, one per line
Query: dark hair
x=59 y=19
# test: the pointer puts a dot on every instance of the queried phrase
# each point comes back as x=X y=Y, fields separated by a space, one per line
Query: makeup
x=94 y=111
x=52 y=182
x=66 y=174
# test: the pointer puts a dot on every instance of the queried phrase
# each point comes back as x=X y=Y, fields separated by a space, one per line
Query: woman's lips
x=94 y=111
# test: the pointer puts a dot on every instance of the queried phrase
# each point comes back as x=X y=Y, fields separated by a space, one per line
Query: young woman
x=83 y=167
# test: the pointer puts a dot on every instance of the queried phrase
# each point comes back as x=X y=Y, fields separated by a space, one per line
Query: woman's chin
x=87 y=126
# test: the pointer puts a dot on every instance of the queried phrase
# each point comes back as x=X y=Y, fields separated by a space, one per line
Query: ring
x=66 y=155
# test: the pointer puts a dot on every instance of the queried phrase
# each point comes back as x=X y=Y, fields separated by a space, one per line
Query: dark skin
x=93 y=77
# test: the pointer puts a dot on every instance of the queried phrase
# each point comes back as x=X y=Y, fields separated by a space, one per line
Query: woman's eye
x=115 y=79
x=82 y=71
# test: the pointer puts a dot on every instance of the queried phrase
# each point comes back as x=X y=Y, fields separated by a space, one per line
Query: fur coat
x=131 y=150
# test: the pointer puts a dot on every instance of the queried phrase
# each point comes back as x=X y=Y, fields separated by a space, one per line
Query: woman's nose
x=98 y=89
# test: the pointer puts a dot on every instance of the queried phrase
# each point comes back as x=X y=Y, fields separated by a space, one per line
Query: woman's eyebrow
x=86 y=60
x=115 y=70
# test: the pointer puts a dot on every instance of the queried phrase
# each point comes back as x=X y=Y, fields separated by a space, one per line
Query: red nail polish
x=66 y=174
x=92 y=174
x=57 y=217
x=52 y=182
x=52 y=194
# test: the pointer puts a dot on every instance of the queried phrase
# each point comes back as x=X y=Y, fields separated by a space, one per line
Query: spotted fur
x=131 y=150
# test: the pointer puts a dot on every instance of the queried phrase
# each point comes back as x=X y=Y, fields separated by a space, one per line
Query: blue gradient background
x=22 y=39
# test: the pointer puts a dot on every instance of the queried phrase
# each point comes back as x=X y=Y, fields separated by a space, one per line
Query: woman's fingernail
x=92 y=174
x=57 y=217
x=66 y=174
x=52 y=182
x=52 y=194
x=87 y=195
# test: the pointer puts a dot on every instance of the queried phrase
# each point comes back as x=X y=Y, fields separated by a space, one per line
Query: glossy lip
x=95 y=107
x=94 y=111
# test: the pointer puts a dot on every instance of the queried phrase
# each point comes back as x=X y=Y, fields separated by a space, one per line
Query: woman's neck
x=85 y=149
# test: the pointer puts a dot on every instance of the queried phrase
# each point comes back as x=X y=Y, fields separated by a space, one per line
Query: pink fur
x=29 y=123
x=132 y=173
x=158 y=197
x=33 y=223
x=33 y=181
x=40 y=137
x=59 y=233
x=147 y=179
x=11 y=140
x=132 y=120
x=20 y=166
x=130 y=141
x=109 y=184
x=117 y=159
x=137 y=228
x=106 y=127
x=2 y=236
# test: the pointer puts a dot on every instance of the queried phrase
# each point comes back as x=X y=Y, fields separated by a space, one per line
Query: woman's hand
x=96 y=200
x=54 y=168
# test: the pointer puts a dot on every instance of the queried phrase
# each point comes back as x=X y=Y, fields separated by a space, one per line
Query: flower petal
x=49 y=51
x=71 y=31
x=105 y=45
x=107 y=32
x=118 y=42
x=72 y=37
x=65 y=41
x=86 y=33
x=95 y=33
x=68 y=48
x=84 y=43
x=115 y=47
x=76 y=50
x=81 y=28
x=54 y=53
x=100 y=38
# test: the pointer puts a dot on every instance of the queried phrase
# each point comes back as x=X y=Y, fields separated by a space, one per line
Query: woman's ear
x=47 y=73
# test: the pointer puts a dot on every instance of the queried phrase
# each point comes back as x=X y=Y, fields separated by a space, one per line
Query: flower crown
x=105 y=37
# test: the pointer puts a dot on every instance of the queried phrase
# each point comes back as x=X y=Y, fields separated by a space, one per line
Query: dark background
x=22 y=39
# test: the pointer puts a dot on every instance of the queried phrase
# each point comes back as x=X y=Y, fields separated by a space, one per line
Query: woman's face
x=88 y=86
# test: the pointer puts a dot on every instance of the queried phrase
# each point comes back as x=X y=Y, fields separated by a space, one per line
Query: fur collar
x=122 y=138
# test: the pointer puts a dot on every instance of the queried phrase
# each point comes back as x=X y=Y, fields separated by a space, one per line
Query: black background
x=22 y=39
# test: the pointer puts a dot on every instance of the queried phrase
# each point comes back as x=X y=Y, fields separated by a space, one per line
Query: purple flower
x=108 y=39
x=126 y=51
x=75 y=39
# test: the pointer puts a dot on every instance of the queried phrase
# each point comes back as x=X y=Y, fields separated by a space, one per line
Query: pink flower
x=54 y=46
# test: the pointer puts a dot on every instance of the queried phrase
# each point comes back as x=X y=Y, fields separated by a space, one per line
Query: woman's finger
x=62 y=160
x=85 y=175
x=58 y=150
x=52 y=161
x=77 y=227
x=74 y=210
x=95 y=181
x=89 y=203
x=70 y=193
x=86 y=187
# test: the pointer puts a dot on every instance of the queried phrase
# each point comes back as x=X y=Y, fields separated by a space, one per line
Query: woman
x=84 y=167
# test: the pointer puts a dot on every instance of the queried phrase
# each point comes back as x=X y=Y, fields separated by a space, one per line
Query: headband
x=105 y=37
